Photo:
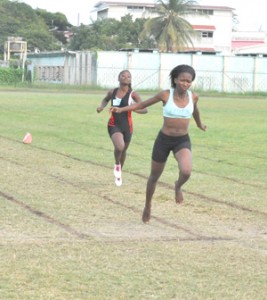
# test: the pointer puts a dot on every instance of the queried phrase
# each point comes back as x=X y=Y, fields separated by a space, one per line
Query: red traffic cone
x=27 y=138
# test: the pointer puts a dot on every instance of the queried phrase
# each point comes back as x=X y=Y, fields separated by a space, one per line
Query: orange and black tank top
x=122 y=120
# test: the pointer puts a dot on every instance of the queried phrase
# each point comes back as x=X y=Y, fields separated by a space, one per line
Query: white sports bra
x=171 y=110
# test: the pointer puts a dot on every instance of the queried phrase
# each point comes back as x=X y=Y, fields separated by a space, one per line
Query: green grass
x=67 y=232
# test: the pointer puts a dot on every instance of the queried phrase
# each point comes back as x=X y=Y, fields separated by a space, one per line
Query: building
x=118 y=9
x=249 y=43
x=213 y=23
x=214 y=27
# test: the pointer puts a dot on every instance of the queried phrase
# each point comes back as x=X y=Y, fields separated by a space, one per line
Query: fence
x=151 y=70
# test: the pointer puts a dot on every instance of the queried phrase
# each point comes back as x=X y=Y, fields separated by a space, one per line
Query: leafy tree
x=20 y=20
x=45 y=30
x=128 y=32
x=170 y=32
x=81 y=38
x=57 y=24
x=108 y=34
x=56 y=21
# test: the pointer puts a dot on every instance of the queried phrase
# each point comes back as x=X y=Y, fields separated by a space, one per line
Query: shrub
x=10 y=75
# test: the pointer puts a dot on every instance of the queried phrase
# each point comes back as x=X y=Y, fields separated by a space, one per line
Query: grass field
x=67 y=232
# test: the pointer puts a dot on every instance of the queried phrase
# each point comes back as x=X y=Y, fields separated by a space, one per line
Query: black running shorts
x=126 y=133
x=165 y=143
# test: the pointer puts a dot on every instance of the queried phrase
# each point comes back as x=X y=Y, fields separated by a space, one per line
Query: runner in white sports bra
x=179 y=104
x=172 y=110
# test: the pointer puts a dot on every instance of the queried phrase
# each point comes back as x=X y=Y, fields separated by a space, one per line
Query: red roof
x=204 y=27
x=199 y=49
x=240 y=44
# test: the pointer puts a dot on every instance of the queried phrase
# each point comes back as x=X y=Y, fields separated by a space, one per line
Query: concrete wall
x=151 y=70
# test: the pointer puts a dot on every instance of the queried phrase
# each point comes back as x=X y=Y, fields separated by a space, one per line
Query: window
x=135 y=8
x=205 y=11
x=207 y=34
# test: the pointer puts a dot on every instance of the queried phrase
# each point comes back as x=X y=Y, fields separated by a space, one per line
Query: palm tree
x=170 y=31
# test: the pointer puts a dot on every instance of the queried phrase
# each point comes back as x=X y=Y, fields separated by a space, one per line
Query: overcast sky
x=251 y=14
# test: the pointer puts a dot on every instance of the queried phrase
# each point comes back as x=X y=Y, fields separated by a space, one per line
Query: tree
x=129 y=31
x=34 y=26
x=170 y=32
x=57 y=24
x=108 y=34
x=54 y=21
x=101 y=34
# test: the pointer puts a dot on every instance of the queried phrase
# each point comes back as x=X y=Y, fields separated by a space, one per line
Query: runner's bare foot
x=178 y=194
x=146 y=215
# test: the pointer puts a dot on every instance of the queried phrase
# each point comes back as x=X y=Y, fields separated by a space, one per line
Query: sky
x=251 y=14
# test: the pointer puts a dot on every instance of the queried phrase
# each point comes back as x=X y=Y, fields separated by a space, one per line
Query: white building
x=214 y=25
x=117 y=9
x=249 y=43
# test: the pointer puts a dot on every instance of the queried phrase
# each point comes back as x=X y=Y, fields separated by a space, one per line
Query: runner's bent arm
x=196 y=114
x=105 y=101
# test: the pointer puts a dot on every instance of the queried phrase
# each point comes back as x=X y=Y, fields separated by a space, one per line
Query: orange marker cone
x=27 y=138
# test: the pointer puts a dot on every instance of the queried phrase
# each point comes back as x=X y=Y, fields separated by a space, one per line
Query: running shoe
x=117 y=174
x=117 y=171
x=118 y=181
